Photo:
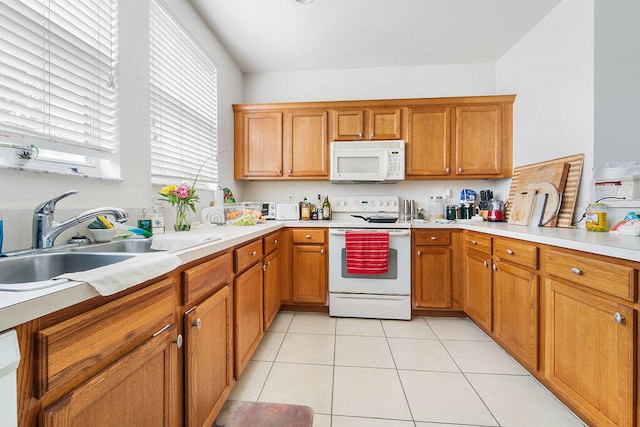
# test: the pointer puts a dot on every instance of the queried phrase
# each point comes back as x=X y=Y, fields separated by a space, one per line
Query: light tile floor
x=427 y=372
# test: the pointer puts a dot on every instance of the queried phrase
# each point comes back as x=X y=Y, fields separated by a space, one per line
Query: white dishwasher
x=9 y=359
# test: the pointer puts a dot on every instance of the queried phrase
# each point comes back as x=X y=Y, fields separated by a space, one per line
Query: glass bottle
x=305 y=210
x=326 y=209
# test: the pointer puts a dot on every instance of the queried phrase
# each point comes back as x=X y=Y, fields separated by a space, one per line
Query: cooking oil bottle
x=596 y=217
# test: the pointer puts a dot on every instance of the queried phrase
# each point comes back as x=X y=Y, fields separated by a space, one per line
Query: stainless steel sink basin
x=35 y=271
x=122 y=246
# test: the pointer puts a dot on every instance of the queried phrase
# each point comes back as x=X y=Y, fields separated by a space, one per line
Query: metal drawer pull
x=308 y=236
x=619 y=318
x=434 y=238
x=253 y=253
x=321 y=251
x=509 y=251
x=486 y=264
x=575 y=270
x=419 y=253
x=447 y=170
x=473 y=242
x=459 y=169
x=197 y=323
x=264 y=267
x=290 y=171
x=275 y=241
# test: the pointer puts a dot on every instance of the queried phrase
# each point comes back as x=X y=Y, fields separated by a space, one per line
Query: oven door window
x=391 y=274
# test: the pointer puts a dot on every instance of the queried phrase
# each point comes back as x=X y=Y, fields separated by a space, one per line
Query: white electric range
x=381 y=296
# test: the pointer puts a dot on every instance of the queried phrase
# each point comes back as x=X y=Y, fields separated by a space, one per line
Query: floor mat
x=237 y=413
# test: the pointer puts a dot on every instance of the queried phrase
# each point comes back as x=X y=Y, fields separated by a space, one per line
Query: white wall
x=24 y=190
x=370 y=83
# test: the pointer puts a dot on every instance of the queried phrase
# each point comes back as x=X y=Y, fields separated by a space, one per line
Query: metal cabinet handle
x=359 y=135
x=575 y=270
x=434 y=238
x=197 y=323
x=308 y=236
x=178 y=341
x=509 y=251
x=486 y=264
x=372 y=134
x=275 y=241
x=322 y=251
x=279 y=171
x=459 y=169
x=253 y=253
x=447 y=170
x=268 y=263
x=290 y=170
x=618 y=318
x=419 y=253
x=473 y=242
x=494 y=267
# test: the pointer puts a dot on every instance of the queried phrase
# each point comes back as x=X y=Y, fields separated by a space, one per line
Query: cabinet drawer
x=478 y=242
x=601 y=275
x=206 y=278
x=309 y=235
x=432 y=237
x=518 y=252
x=271 y=242
x=74 y=350
x=247 y=255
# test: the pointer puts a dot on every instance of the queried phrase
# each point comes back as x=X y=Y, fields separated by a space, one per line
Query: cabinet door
x=432 y=277
x=589 y=356
x=263 y=144
x=384 y=123
x=478 y=140
x=208 y=357
x=247 y=305
x=515 y=312
x=137 y=390
x=478 y=289
x=348 y=125
x=429 y=141
x=306 y=144
x=271 y=279
x=310 y=274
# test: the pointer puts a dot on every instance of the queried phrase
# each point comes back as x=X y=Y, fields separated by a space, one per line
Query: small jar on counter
x=596 y=217
x=436 y=208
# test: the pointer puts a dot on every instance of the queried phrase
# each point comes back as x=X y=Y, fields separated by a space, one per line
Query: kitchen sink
x=36 y=271
x=123 y=246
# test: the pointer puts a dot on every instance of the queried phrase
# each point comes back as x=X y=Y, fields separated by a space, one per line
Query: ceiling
x=284 y=35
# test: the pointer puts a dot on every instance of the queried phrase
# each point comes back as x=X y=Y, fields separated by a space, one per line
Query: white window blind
x=183 y=105
x=58 y=62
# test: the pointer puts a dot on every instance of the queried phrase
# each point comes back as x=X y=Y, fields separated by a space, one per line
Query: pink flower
x=183 y=191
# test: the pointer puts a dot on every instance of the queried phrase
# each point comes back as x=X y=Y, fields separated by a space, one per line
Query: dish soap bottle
x=144 y=222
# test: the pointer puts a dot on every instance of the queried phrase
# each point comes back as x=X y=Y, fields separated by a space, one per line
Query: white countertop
x=20 y=307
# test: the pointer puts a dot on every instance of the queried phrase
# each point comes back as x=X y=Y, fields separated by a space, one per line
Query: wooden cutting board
x=553 y=173
x=568 y=192
x=522 y=209
x=552 y=202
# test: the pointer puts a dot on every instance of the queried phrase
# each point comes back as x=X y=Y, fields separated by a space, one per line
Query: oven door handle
x=392 y=233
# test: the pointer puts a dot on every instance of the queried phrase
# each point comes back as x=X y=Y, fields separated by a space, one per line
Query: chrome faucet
x=45 y=229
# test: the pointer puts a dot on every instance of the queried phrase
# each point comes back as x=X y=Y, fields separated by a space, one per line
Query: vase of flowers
x=183 y=197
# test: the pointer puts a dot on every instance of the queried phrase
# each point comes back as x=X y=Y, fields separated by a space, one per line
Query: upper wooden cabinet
x=366 y=124
x=470 y=138
x=462 y=137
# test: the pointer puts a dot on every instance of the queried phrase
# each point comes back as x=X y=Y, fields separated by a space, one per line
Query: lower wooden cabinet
x=478 y=294
x=208 y=357
x=515 y=312
x=309 y=266
x=590 y=353
x=432 y=269
x=247 y=308
x=138 y=390
x=271 y=287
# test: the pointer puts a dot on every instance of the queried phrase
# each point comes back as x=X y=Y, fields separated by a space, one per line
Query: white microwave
x=367 y=161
